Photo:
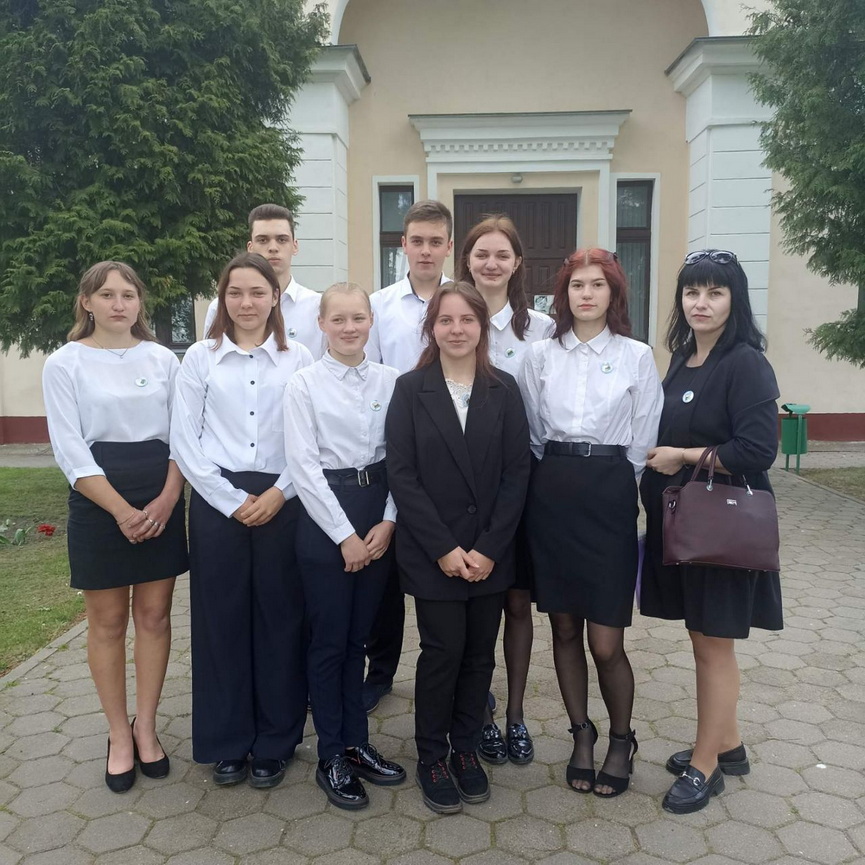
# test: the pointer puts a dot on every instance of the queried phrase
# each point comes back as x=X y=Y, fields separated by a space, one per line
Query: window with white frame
x=393 y=202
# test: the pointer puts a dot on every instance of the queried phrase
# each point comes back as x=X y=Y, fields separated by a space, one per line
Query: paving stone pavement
x=802 y=713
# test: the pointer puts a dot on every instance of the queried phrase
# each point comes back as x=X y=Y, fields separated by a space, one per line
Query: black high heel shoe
x=155 y=768
x=575 y=773
x=618 y=785
x=123 y=781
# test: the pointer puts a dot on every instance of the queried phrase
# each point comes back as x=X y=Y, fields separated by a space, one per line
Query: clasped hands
x=472 y=566
x=149 y=522
x=357 y=553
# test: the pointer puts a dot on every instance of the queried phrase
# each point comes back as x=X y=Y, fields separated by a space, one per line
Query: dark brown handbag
x=710 y=522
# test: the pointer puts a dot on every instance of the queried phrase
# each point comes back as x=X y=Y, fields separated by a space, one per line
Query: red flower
x=46 y=529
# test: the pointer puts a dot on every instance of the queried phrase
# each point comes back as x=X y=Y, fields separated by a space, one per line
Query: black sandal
x=575 y=773
x=618 y=785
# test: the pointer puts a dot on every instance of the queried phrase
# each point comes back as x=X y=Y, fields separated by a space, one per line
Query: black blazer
x=453 y=489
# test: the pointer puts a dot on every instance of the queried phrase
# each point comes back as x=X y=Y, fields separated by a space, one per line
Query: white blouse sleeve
x=648 y=404
x=303 y=462
x=530 y=387
x=64 y=422
x=186 y=424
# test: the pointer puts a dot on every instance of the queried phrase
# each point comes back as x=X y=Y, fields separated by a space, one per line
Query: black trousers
x=249 y=688
x=340 y=610
x=454 y=672
x=384 y=645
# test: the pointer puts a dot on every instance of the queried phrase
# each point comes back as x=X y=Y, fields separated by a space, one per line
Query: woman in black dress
x=719 y=390
x=108 y=395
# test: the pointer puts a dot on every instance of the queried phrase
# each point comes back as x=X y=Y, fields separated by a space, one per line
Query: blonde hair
x=342 y=288
x=93 y=279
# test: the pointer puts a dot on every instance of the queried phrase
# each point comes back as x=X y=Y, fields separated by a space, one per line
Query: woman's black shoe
x=121 y=782
x=228 y=772
x=437 y=788
x=691 y=791
x=371 y=766
x=492 y=747
x=576 y=773
x=344 y=789
x=264 y=772
x=155 y=768
x=617 y=784
x=732 y=762
x=521 y=749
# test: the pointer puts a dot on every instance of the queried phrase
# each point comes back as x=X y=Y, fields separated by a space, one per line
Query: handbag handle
x=708 y=456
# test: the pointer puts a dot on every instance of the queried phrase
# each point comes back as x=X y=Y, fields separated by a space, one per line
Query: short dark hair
x=740 y=326
x=618 y=320
x=428 y=211
x=271 y=211
x=223 y=325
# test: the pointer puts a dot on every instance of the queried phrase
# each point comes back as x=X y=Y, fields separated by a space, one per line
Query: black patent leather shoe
x=521 y=749
x=122 y=781
x=732 y=762
x=492 y=747
x=264 y=772
x=228 y=772
x=371 y=766
x=691 y=791
x=344 y=789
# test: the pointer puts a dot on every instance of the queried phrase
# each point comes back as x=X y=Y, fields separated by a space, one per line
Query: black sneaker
x=471 y=780
x=371 y=766
x=437 y=788
x=372 y=695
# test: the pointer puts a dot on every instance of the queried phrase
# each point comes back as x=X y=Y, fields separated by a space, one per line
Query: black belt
x=585 y=449
x=372 y=474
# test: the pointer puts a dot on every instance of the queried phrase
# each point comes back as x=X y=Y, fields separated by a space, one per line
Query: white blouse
x=299 y=307
x=228 y=414
x=506 y=351
x=94 y=394
x=334 y=419
x=605 y=391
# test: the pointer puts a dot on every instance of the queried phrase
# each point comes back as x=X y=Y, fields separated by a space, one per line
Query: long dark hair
x=223 y=325
x=740 y=326
x=517 y=282
x=618 y=320
x=478 y=306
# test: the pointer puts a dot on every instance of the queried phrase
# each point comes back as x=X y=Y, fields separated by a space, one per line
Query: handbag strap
x=707 y=463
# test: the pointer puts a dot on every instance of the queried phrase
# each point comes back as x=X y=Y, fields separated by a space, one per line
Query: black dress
x=731 y=401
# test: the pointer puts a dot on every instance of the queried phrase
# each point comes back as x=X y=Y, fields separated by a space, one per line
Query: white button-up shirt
x=605 y=391
x=93 y=394
x=228 y=414
x=299 y=307
x=506 y=351
x=334 y=419
x=395 y=337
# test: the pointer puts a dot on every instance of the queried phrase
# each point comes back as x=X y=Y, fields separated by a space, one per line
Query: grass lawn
x=37 y=603
x=850 y=481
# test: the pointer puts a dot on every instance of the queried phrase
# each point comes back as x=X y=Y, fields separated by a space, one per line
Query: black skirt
x=716 y=602
x=581 y=519
x=100 y=556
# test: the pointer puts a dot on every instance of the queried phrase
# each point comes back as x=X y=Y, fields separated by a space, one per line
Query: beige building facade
x=618 y=123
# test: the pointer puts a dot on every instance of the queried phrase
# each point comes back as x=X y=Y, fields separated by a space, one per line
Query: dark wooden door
x=547 y=225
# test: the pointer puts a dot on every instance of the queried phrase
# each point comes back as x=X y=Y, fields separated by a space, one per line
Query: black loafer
x=372 y=695
x=521 y=749
x=470 y=778
x=371 y=766
x=691 y=791
x=437 y=788
x=492 y=747
x=732 y=762
x=228 y=772
x=341 y=786
x=264 y=772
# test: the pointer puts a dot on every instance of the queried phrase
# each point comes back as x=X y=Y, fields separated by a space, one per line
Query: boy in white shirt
x=272 y=235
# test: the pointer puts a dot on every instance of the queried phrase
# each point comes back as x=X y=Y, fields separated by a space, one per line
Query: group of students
x=439 y=439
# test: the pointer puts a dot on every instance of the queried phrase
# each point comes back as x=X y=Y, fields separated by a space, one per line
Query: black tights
x=519 y=633
x=615 y=678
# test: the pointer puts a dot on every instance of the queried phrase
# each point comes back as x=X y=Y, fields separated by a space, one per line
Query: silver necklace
x=115 y=351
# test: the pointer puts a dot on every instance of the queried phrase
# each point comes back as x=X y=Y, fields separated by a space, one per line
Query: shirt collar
x=227 y=347
x=597 y=344
x=503 y=317
x=406 y=290
x=291 y=289
x=341 y=370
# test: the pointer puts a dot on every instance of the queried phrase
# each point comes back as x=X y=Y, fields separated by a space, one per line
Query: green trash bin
x=794 y=432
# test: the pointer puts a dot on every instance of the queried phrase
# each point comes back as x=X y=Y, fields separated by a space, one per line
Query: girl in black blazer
x=720 y=390
x=458 y=468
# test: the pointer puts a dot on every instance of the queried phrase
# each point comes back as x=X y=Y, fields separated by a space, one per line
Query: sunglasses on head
x=719 y=256
x=607 y=255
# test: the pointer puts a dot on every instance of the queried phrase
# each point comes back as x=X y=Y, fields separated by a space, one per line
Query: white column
x=320 y=117
x=730 y=190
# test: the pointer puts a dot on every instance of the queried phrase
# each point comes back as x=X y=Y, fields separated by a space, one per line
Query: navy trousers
x=249 y=690
x=340 y=610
